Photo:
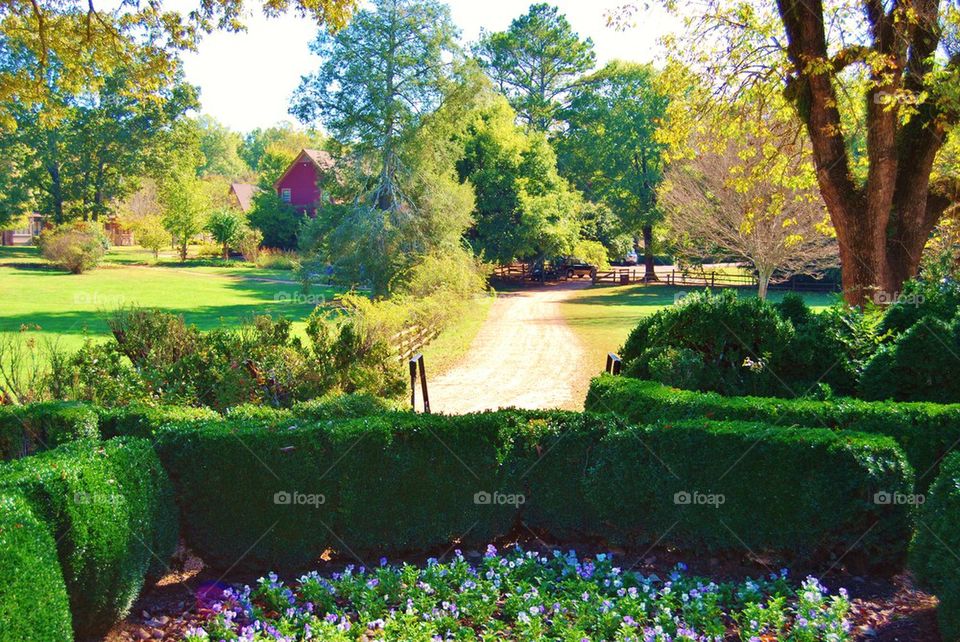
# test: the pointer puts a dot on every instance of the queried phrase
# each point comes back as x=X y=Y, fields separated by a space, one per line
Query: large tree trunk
x=649 y=270
x=883 y=225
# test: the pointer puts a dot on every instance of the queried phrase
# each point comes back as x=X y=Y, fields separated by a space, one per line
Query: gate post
x=614 y=364
x=415 y=362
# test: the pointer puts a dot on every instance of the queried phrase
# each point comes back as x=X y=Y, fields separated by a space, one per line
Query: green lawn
x=603 y=316
x=73 y=307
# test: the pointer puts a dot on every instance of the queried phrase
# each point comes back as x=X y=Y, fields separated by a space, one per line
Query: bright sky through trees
x=246 y=79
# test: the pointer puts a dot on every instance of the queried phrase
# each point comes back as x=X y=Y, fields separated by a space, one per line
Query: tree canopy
x=536 y=62
x=610 y=148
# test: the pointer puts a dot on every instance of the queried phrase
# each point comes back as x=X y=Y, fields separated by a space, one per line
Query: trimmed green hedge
x=388 y=483
x=933 y=555
x=25 y=430
x=925 y=431
x=140 y=420
x=109 y=507
x=33 y=597
x=411 y=482
x=714 y=484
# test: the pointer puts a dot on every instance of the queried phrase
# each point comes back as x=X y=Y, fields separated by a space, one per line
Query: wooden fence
x=412 y=339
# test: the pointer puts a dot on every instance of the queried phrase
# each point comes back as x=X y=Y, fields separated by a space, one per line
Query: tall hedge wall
x=925 y=431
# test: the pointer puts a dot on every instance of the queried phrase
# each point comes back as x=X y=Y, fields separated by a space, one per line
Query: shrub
x=933 y=556
x=33 y=597
x=404 y=481
x=278 y=260
x=76 y=247
x=720 y=342
x=757 y=486
x=141 y=420
x=25 y=430
x=342 y=407
x=279 y=222
x=743 y=345
x=387 y=483
x=919 y=365
x=249 y=245
x=925 y=431
x=108 y=505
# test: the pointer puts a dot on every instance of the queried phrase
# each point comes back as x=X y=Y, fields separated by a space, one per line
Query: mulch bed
x=884 y=608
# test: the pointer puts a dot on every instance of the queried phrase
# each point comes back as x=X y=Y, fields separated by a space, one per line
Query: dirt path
x=525 y=355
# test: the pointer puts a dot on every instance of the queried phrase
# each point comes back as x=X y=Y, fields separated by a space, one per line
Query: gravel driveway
x=525 y=355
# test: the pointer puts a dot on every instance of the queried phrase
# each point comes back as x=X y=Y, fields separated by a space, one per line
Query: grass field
x=72 y=307
x=602 y=317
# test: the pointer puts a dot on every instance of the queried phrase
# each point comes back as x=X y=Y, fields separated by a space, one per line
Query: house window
x=285 y=195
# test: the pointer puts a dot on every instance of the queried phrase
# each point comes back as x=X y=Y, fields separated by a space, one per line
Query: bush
x=25 y=430
x=718 y=342
x=762 y=487
x=933 y=556
x=140 y=420
x=925 y=431
x=403 y=481
x=109 y=507
x=76 y=247
x=370 y=473
x=342 y=407
x=743 y=345
x=278 y=260
x=919 y=365
x=33 y=597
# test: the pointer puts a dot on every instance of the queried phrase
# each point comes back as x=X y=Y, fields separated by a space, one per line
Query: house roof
x=244 y=193
x=322 y=160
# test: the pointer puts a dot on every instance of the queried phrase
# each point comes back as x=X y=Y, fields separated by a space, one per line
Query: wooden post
x=415 y=361
x=614 y=364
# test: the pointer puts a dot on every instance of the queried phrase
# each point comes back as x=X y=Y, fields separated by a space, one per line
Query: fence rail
x=412 y=339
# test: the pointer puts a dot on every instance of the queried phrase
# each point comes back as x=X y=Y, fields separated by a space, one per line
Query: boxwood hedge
x=795 y=492
x=278 y=497
x=401 y=481
x=25 y=430
x=33 y=597
x=141 y=420
x=925 y=431
x=108 y=506
x=933 y=554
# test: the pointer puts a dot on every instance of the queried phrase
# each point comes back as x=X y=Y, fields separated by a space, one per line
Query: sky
x=246 y=79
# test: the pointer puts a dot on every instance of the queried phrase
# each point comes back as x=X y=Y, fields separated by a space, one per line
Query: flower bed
x=525 y=596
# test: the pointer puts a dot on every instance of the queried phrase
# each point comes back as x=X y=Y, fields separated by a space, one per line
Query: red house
x=300 y=184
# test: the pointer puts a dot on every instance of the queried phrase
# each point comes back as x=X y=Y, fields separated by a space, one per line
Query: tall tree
x=221 y=150
x=524 y=209
x=536 y=63
x=752 y=196
x=377 y=78
x=99 y=143
x=85 y=41
x=610 y=147
x=875 y=86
